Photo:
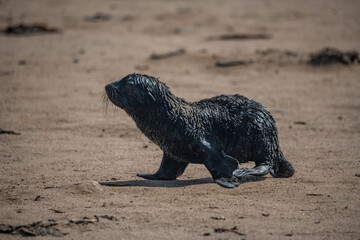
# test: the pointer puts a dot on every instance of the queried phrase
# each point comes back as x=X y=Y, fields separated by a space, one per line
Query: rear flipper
x=256 y=171
x=282 y=169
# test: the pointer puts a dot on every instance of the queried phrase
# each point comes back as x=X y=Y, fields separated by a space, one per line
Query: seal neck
x=163 y=117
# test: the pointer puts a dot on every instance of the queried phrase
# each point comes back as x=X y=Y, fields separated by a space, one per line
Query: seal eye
x=129 y=88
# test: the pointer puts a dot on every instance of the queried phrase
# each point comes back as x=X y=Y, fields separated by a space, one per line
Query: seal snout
x=112 y=92
x=110 y=87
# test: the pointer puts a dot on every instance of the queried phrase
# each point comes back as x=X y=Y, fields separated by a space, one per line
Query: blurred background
x=298 y=58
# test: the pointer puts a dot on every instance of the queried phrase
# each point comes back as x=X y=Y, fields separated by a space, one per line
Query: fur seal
x=219 y=132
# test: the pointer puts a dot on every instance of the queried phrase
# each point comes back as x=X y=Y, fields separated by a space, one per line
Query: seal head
x=134 y=93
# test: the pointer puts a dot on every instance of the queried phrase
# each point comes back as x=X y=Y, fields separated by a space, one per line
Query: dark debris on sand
x=241 y=36
x=178 y=52
x=2 y=131
x=329 y=55
x=29 y=29
x=232 y=63
x=233 y=230
x=273 y=51
x=50 y=228
x=32 y=229
x=98 y=17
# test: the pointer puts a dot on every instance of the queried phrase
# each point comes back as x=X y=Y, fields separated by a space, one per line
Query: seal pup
x=219 y=132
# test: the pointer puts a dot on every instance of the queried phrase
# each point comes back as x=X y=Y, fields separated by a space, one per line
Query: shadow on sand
x=172 y=183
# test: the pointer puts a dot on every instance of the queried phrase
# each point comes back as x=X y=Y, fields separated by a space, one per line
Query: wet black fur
x=213 y=131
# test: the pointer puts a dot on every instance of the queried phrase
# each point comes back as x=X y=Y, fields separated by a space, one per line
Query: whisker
x=106 y=101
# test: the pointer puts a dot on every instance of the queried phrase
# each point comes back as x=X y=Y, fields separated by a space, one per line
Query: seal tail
x=282 y=168
x=279 y=166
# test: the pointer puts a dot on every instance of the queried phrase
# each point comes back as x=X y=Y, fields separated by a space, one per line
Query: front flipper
x=256 y=171
x=220 y=165
x=227 y=183
x=169 y=170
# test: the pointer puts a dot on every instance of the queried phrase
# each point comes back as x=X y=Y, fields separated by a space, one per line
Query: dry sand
x=50 y=92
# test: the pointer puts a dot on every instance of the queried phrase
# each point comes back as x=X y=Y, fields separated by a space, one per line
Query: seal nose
x=110 y=87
